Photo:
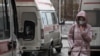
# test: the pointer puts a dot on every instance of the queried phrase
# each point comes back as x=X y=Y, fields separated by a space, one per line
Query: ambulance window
x=1 y=26
x=44 y=20
x=54 y=18
x=49 y=18
x=93 y=18
x=4 y=22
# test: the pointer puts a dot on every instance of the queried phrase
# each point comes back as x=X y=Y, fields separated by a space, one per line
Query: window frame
x=96 y=15
x=44 y=20
x=24 y=13
x=52 y=19
x=48 y=18
x=55 y=21
x=5 y=24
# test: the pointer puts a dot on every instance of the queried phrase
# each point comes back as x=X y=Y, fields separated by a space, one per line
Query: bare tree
x=69 y=8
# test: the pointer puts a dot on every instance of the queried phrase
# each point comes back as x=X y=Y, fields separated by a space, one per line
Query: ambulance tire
x=58 y=50
x=27 y=54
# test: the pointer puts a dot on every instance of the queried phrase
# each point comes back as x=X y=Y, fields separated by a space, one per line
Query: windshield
x=48 y=18
x=4 y=23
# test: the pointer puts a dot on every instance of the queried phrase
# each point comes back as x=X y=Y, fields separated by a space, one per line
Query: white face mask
x=81 y=22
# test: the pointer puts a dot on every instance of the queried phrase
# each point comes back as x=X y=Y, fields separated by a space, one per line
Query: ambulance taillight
x=42 y=34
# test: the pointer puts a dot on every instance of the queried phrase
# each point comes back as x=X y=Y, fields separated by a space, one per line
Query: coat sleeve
x=87 y=36
x=70 y=36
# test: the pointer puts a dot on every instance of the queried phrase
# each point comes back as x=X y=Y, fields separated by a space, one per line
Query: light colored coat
x=79 y=45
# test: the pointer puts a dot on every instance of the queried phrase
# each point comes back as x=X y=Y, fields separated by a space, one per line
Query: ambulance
x=92 y=7
x=8 y=34
x=38 y=27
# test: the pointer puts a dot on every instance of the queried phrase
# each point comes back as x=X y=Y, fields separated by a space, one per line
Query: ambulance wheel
x=27 y=54
x=50 y=51
x=58 y=50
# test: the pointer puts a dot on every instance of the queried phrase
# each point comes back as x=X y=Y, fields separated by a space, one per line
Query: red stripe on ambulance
x=91 y=2
x=48 y=28
x=51 y=28
x=3 y=47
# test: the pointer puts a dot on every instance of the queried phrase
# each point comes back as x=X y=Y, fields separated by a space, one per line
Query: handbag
x=70 y=51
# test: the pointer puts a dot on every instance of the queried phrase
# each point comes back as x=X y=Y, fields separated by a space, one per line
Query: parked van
x=8 y=36
x=92 y=8
x=38 y=27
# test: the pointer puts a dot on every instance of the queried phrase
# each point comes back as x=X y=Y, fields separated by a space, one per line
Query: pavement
x=64 y=51
x=65 y=43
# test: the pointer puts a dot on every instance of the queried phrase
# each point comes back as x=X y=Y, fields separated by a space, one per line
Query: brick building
x=69 y=8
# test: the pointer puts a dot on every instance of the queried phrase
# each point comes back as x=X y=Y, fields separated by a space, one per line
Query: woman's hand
x=83 y=34
x=82 y=29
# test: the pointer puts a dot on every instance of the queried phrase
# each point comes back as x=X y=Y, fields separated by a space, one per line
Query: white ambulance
x=38 y=27
x=92 y=7
x=8 y=34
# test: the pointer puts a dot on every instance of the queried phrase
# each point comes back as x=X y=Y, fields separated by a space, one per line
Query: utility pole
x=80 y=4
x=65 y=9
x=71 y=9
x=60 y=10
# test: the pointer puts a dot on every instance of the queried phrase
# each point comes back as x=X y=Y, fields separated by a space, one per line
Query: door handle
x=12 y=45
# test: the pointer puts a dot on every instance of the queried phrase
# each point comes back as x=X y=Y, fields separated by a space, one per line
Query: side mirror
x=29 y=30
x=62 y=23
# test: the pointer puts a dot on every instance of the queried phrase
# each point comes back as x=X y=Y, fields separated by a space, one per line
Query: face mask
x=81 y=22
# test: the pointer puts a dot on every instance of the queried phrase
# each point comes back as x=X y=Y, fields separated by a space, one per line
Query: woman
x=80 y=36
